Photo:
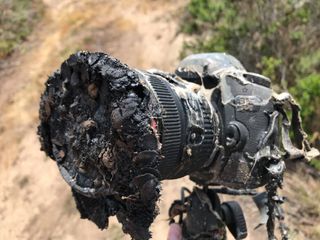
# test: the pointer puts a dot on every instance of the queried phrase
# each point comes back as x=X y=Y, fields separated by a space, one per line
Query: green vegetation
x=279 y=39
x=16 y=21
x=307 y=90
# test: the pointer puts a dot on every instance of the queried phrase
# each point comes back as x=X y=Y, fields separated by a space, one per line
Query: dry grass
x=17 y=20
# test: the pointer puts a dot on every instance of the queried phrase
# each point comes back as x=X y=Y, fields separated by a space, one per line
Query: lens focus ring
x=173 y=121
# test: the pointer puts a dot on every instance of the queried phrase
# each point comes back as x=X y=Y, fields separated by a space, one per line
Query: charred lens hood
x=115 y=132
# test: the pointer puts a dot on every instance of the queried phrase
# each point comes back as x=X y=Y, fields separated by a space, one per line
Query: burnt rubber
x=234 y=219
x=96 y=116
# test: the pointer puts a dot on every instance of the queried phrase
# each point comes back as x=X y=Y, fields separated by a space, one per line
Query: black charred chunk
x=95 y=119
x=96 y=209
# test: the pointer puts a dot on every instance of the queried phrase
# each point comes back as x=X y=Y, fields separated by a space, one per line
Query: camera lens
x=99 y=117
x=115 y=132
x=185 y=126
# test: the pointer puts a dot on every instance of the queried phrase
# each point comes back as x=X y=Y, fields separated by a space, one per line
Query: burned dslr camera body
x=116 y=132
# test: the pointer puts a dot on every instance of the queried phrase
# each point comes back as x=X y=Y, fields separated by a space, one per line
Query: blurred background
x=277 y=38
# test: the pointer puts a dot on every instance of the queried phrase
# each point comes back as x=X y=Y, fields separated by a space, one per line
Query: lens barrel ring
x=173 y=126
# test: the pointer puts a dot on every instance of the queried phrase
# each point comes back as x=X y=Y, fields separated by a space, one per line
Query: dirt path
x=35 y=203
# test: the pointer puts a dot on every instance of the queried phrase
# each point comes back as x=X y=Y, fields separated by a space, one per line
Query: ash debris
x=96 y=118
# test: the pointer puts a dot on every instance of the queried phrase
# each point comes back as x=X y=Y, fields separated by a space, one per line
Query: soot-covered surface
x=97 y=123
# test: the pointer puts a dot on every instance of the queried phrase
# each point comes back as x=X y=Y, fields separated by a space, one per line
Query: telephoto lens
x=116 y=132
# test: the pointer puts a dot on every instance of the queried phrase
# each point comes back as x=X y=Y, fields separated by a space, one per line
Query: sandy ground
x=35 y=203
